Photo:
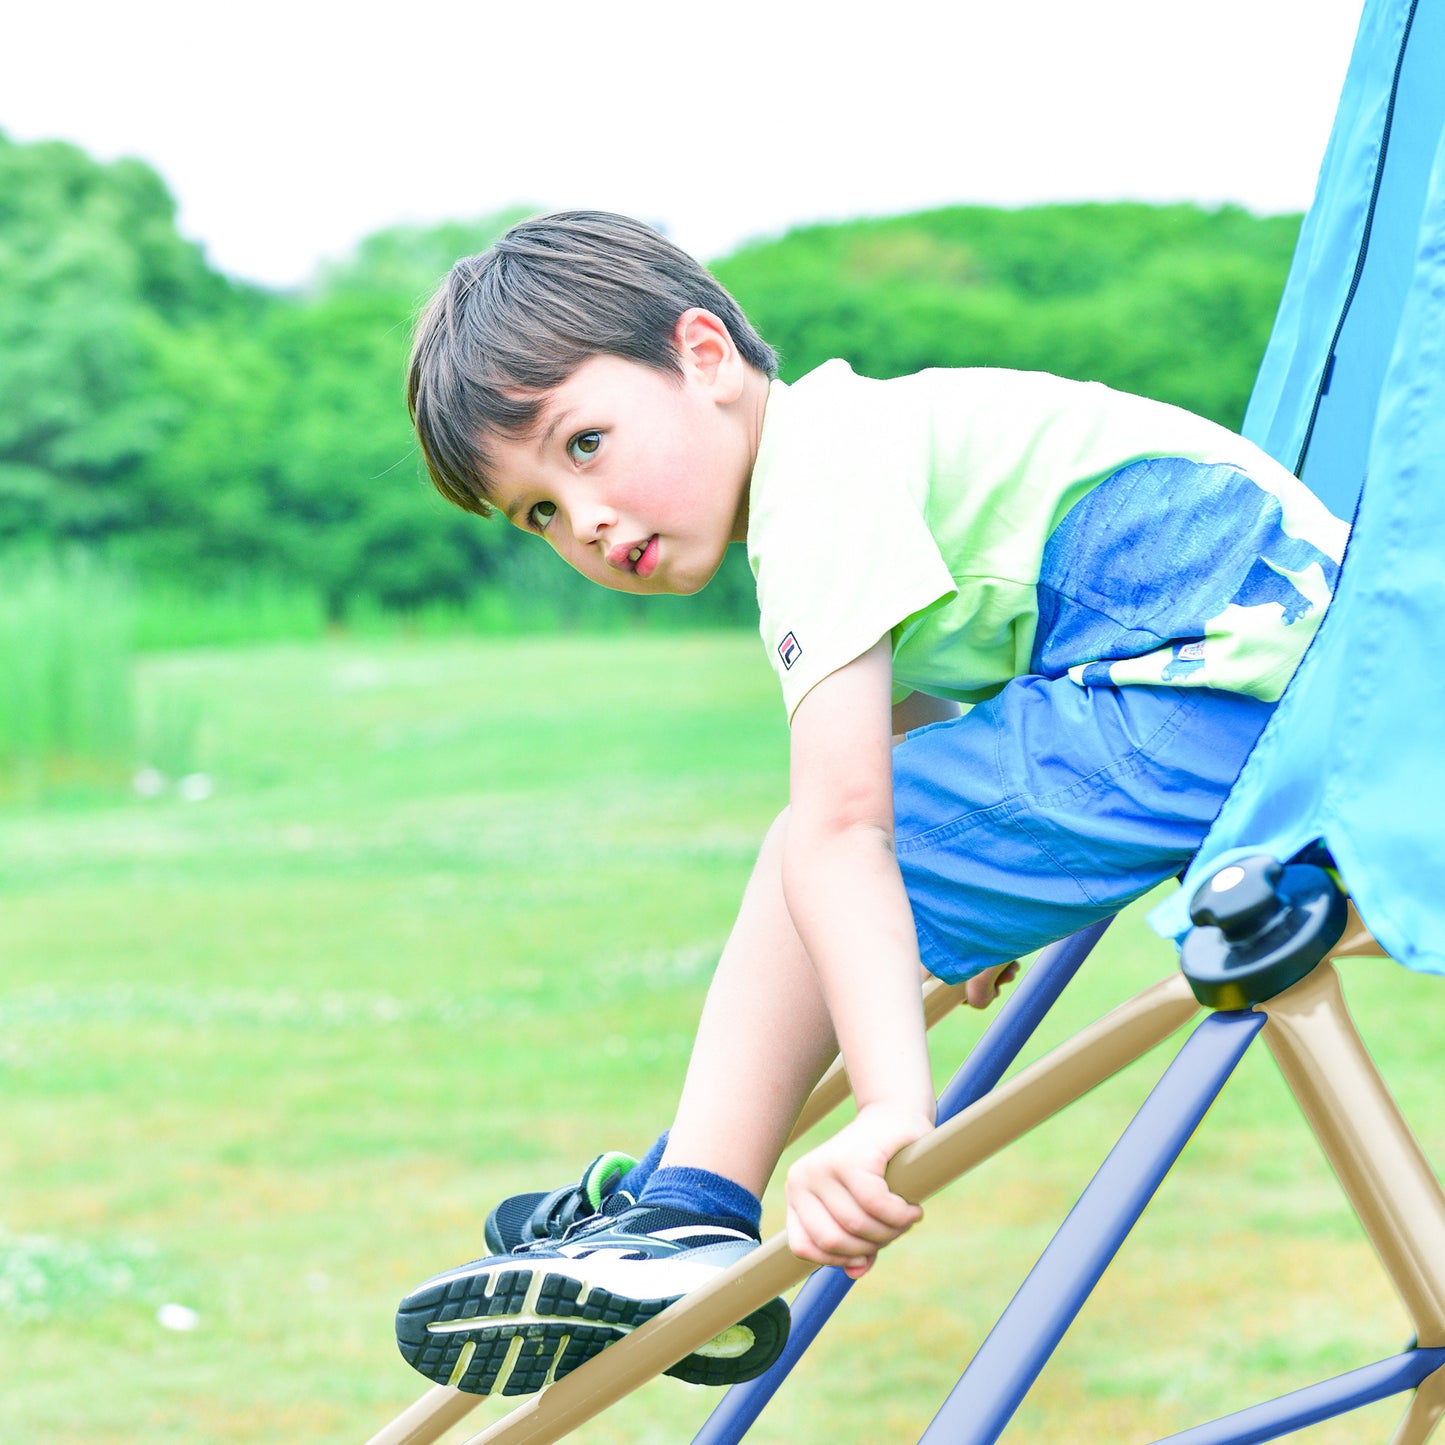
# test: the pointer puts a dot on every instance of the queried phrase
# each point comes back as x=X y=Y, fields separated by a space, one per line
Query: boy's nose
x=590 y=523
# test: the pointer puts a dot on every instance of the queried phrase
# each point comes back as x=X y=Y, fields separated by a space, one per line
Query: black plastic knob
x=1259 y=927
x=1240 y=899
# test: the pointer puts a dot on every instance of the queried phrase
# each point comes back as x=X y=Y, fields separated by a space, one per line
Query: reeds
x=67 y=713
x=248 y=608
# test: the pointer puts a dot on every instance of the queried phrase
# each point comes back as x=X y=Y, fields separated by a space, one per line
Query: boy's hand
x=840 y=1210
x=983 y=988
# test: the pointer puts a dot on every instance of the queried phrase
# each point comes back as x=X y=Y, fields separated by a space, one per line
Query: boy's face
x=636 y=477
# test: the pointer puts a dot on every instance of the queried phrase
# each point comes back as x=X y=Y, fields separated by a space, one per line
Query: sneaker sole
x=509 y=1331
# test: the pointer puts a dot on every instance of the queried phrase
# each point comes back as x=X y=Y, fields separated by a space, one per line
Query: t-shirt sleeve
x=842 y=553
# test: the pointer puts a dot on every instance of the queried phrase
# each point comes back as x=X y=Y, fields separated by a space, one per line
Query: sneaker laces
x=617 y=1203
x=572 y=1204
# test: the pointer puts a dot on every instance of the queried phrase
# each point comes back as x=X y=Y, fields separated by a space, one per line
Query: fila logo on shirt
x=789 y=650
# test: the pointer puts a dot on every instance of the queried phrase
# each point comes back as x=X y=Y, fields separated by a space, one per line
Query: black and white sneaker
x=511 y=1324
x=524 y=1218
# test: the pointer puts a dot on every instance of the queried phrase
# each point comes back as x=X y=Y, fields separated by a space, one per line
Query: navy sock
x=703 y=1193
x=635 y=1180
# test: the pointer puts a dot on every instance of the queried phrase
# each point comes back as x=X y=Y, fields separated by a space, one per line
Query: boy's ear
x=706 y=348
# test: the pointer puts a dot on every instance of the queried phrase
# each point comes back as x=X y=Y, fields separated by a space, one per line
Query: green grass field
x=440 y=931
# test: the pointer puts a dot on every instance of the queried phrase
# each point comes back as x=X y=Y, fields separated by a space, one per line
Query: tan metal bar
x=1426 y=1408
x=1370 y=1147
x=1356 y=941
x=939 y=1000
x=428 y=1419
x=1427 y=1405
x=972 y=1136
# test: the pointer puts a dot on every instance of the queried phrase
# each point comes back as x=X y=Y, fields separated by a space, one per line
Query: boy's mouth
x=640 y=559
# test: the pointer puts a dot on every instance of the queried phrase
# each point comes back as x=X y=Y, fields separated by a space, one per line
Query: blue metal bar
x=1315 y=1402
x=1029 y=1330
x=1033 y=996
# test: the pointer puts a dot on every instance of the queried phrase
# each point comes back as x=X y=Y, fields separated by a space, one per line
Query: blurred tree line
x=197 y=430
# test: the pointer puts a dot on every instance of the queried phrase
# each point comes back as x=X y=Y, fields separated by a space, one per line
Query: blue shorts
x=1053 y=805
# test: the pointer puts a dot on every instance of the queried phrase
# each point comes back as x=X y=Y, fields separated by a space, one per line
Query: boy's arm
x=846 y=898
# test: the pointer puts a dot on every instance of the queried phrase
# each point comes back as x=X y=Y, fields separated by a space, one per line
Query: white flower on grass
x=177 y=1317
x=148 y=782
x=196 y=787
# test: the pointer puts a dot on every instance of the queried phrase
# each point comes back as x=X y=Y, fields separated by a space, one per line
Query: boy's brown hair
x=507 y=326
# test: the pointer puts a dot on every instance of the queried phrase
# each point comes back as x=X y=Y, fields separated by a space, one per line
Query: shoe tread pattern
x=558 y=1335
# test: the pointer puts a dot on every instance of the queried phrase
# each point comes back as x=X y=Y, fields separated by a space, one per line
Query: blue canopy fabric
x=1351 y=395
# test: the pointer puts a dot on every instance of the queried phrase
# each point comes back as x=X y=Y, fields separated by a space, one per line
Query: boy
x=1117 y=591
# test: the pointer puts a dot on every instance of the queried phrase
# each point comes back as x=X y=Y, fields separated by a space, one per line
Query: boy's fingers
x=806 y=1247
x=892 y=1211
x=838 y=1229
x=831 y=1227
x=983 y=988
x=807 y=1243
x=860 y=1201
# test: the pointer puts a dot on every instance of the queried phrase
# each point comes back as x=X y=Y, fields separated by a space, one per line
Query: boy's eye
x=585 y=444
x=541 y=514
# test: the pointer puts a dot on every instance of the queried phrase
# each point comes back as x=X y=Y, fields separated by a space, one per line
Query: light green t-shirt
x=922 y=506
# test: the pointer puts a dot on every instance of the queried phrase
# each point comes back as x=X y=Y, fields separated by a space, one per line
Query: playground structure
x=1308 y=1030
x=1344 y=786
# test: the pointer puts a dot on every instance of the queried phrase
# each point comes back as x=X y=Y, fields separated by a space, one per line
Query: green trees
x=90 y=266
x=1174 y=302
x=198 y=430
x=203 y=434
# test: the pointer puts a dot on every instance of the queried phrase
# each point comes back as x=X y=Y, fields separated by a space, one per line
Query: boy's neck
x=752 y=404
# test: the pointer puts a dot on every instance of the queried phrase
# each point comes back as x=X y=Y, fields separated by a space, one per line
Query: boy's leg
x=510 y=1323
x=763 y=1042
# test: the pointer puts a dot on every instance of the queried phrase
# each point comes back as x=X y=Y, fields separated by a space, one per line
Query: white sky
x=288 y=131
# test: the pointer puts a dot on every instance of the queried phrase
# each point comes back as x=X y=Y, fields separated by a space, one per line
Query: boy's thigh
x=1053 y=805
